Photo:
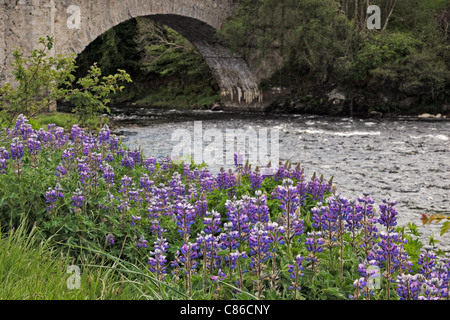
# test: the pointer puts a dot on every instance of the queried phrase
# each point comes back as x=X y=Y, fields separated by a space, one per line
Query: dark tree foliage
x=328 y=41
x=166 y=68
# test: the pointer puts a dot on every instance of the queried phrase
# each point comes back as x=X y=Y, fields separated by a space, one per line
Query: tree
x=307 y=34
x=167 y=53
x=43 y=79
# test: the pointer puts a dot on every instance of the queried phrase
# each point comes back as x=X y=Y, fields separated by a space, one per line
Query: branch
x=388 y=16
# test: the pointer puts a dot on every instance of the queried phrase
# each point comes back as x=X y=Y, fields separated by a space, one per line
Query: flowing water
x=405 y=159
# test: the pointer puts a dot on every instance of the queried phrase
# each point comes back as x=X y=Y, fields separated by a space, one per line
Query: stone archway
x=74 y=24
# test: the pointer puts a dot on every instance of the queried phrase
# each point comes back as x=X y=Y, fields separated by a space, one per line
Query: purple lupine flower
x=187 y=172
x=237 y=215
x=432 y=289
x=109 y=239
x=161 y=244
x=189 y=251
x=16 y=149
x=360 y=284
x=427 y=261
x=20 y=121
x=83 y=170
x=238 y=160
x=297 y=173
x=165 y=163
x=364 y=286
x=76 y=133
x=26 y=131
x=142 y=243
x=155 y=228
x=162 y=194
x=229 y=240
x=212 y=222
x=134 y=220
x=319 y=216
x=386 y=250
x=290 y=206
x=77 y=200
x=276 y=232
x=104 y=135
x=234 y=257
x=207 y=184
x=201 y=205
x=388 y=214
x=210 y=246
x=33 y=144
x=317 y=188
x=258 y=209
x=127 y=161
x=60 y=170
x=287 y=194
x=108 y=174
x=353 y=221
x=4 y=153
x=2 y=166
x=134 y=197
x=280 y=173
x=109 y=157
x=149 y=164
x=126 y=183
x=230 y=179
x=259 y=245
x=333 y=220
x=113 y=143
x=368 y=221
x=157 y=262
x=136 y=156
x=255 y=179
x=314 y=242
x=43 y=136
x=220 y=276
x=51 y=197
x=68 y=155
x=408 y=286
x=96 y=160
x=186 y=257
x=177 y=188
x=259 y=252
x=295 y=271
x=185 y=215
x=120 y=152
x=221 y=179
x=59 y=139
x=145 y=182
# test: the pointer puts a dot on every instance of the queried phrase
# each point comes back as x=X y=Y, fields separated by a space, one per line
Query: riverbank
x=405 y=158
x=108 y=204
x=292 y=106
x=331 y=100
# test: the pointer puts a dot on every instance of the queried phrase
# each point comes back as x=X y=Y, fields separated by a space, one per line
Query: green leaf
x=223 y=252
x=445 y=227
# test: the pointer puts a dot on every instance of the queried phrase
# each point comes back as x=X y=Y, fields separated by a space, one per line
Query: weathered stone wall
x=76 y=23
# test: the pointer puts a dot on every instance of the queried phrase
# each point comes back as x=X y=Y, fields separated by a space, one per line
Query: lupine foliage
x=237 y=234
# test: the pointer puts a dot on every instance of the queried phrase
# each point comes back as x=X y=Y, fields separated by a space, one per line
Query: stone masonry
x=74 y=24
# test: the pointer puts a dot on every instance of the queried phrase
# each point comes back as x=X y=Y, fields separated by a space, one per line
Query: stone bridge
x=74 y=24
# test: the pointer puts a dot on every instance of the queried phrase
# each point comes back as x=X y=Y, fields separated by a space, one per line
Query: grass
x=184 y=101
x=435 y=4
x=65 y=120
x=32 y=270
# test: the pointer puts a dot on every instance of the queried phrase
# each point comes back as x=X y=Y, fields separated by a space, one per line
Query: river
x=406 y=159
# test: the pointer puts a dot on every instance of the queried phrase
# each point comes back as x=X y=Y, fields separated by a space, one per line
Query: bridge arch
x=76 y=23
